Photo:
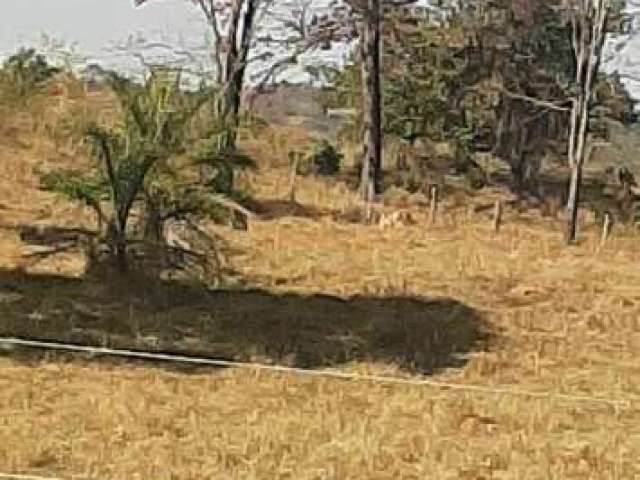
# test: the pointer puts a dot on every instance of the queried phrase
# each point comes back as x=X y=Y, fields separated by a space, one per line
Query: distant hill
x=623 y=150
x=294 y=105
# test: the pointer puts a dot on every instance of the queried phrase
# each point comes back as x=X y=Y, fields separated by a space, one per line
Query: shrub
x=320 y=158
x=24 y=73
x=140 y=166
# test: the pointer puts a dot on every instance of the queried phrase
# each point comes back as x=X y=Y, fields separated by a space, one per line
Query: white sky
x=95 y=24
x=92 y=23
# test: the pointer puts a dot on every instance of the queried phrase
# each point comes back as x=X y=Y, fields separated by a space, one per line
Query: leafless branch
x=536 y=101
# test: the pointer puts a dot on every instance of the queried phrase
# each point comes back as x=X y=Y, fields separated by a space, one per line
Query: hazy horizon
x=93 y=26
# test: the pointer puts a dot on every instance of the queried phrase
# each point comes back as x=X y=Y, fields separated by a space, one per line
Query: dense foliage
x=494 y=77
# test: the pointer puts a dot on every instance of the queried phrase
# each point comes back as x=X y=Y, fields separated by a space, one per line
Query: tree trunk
x=231 y=81
x=574 y=200
x=152 y=226
x=372 y=102
x=117 y=242
x=577 y=132
x=236 y=65
x=588 y=36
x=121 y=254
x=576 y=106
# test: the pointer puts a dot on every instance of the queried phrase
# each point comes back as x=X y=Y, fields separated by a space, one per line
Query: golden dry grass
x=561 y=320
x=136 y=422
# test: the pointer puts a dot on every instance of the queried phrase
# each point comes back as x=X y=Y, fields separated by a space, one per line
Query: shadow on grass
x=273 y=209
x=598 y=193
x=314 y=331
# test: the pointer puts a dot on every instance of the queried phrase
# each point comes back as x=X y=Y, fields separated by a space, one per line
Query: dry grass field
x=450 y=302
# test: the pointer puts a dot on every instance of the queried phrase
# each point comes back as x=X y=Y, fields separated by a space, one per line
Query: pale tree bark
x=232 y=46
x=589 y=22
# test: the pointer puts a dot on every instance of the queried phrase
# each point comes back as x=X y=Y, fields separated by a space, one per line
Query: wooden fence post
x=368 y=206
x=434 y=203
x=294 y=158
x=606 y=227
x=497 y=216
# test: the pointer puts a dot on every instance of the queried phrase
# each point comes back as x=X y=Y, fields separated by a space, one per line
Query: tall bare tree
x=589 y=20
x=232 y=24
x=291 y=30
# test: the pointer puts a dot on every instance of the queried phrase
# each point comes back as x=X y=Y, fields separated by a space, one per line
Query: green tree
x=138 y=161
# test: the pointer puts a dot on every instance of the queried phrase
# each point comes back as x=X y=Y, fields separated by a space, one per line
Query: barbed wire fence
x=618 y=403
